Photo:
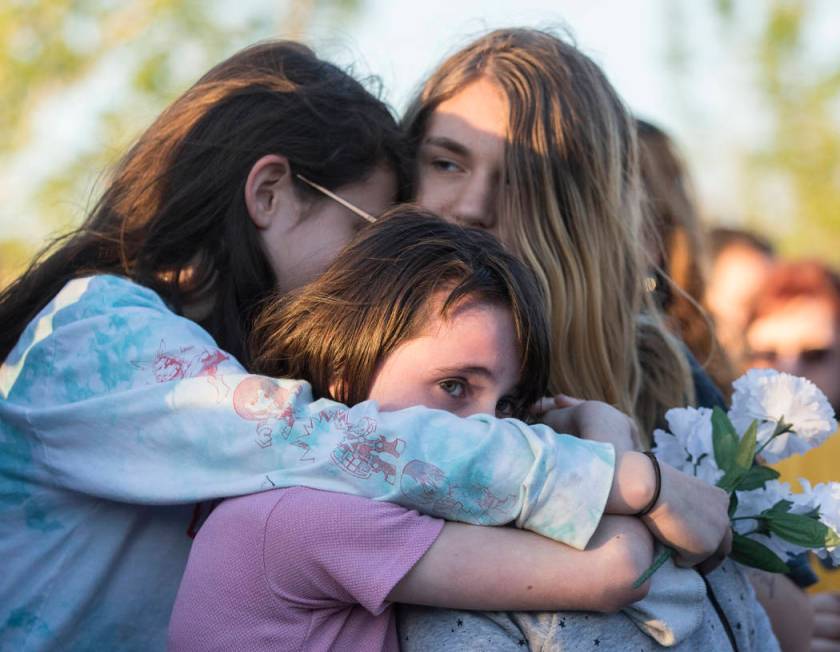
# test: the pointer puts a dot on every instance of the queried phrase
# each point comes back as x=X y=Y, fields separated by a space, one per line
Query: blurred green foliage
x=148 y=51
x=790 y=185
x=802 y=152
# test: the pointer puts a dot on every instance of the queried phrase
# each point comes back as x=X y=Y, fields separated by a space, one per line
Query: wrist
x=634 y=484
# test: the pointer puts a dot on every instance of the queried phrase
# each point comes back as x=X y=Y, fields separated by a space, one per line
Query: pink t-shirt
x=297 y=569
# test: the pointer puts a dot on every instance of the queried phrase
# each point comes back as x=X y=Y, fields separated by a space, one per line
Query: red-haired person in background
x=795 y=327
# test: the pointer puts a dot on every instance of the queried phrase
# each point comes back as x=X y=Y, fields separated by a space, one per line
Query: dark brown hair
x=173 y=217
x=338 y=329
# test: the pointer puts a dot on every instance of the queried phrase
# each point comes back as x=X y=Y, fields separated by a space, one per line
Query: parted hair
x=173 y=215
x=571 y=209
x=337 y=330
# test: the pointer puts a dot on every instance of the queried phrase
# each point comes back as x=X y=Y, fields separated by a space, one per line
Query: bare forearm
x=470 y=567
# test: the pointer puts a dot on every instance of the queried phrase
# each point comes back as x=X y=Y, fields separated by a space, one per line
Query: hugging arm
x=507 y=569
x=111 y=394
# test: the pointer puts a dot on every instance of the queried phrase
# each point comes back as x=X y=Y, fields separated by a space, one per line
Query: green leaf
x=781 y=507
x=798 y=528
x=745 y=455
x=733 y=504
x=756 y=477
x=752 y=553
x=742 y=459
x=724 y=439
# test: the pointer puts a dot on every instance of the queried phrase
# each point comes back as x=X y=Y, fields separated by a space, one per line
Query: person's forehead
x=799 y=324
x=479 y=110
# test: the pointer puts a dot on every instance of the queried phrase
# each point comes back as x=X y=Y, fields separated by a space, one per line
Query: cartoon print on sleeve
x=360 y=451
x=188 y=362
x=265 y=401
x=426 y=484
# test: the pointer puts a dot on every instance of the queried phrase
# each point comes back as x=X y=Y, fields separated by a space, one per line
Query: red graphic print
x=269 y=404
x=188 y=362
x=360 y=451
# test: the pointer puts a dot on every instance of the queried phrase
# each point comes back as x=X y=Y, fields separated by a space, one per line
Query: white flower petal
x=767 y=395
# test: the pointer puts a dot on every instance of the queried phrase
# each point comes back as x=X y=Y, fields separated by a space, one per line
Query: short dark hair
x=722 y=237
x=338 y=329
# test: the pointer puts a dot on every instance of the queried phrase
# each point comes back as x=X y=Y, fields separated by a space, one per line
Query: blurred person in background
x=740 y=263
x=795 y=327
x=676 y=245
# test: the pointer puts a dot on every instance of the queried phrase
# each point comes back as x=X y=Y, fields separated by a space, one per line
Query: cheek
x=433 y=195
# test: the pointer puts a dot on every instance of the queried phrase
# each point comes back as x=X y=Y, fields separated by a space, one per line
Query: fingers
x=542 y=406
x=564 y=401
x=711 y=563
x=827 y=601
x=826 y=621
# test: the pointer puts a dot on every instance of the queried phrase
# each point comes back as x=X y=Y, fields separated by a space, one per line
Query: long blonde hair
x=572 y=211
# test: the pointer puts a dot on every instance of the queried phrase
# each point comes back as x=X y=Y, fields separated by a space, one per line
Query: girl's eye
x=455 y=388
x=444 y=165
x=506 y=407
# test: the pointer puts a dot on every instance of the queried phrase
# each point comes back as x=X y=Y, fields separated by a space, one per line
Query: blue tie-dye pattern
x=102 y=455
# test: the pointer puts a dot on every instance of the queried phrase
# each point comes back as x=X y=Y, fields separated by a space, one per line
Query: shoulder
x=92 y=296
x=328 y=519
x=350 y=548
x=102 y=333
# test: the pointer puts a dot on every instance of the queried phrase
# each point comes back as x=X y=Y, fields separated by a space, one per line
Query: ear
x=270 y=192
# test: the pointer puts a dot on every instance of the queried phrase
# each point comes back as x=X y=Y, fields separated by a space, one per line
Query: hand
x=691 y=517
x=826 y=622
x=588 y=420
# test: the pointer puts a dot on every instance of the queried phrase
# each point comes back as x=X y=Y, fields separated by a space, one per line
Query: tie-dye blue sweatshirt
x=117 y=416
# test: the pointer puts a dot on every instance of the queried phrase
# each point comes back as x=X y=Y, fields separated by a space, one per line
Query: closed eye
x=445 y=165
x=815 y=356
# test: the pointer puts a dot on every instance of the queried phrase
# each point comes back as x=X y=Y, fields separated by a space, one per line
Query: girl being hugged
x=125 y=397
x=417 y=311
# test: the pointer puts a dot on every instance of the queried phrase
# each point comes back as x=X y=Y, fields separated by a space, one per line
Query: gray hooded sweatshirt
x=678 y=613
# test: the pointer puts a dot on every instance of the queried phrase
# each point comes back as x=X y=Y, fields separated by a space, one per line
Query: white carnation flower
x=668 y=449
x=768 y=395
x=688 y=446
x=755 y=501
x=826 y=496
x=707 y=469
x=693 y=428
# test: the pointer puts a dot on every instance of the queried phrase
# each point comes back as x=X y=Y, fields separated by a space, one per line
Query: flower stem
x=780 y=429
x=664 y=556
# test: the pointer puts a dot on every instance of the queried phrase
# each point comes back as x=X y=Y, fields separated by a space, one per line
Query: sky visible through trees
x=81 y=78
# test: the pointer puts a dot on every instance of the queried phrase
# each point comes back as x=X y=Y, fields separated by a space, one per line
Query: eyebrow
x=474 y=370
x=447 y=143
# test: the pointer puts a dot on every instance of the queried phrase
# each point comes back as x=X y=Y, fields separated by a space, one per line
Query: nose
x=476 y=204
